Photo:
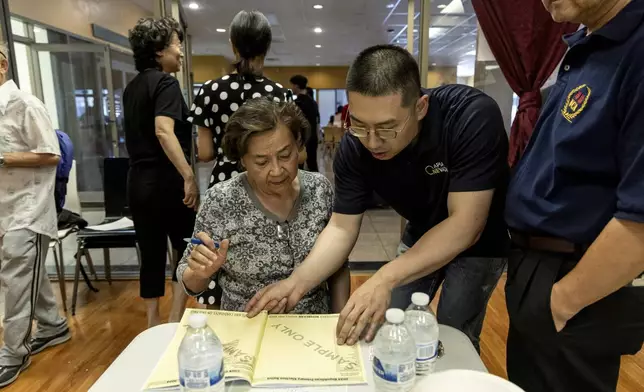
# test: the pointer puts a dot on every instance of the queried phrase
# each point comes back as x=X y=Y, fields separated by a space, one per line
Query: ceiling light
x=390 y=6
x=317 y=30
x=318 y=46
x=317 y=56
x=441 y=6
x=433 y=64
x=470 y=53
x=193 y=6
x=491 y=67
x=317 y=64
x=318 y=6
x=415 y=30
x=221 y=30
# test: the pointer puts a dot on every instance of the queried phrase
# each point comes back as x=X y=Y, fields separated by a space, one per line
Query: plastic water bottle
x=201 y=358
x=394 y=357
x=423 y=326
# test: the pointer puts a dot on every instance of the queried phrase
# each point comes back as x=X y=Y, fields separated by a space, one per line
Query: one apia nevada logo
x=436 y=168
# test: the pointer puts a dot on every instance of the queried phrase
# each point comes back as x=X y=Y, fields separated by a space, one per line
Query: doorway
x=82 y=86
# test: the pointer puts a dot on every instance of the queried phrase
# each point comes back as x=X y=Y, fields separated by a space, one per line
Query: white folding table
x=131 y=368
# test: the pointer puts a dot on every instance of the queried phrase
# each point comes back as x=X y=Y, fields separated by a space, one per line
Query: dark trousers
x=585 y=355
x=156 y=202
x=468 y=283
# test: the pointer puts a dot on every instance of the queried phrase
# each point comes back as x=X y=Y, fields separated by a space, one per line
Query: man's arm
x=329 y=253
x=40 y=138
x=30 y=159
x=468 y=213
x=616 y=257
x=613 y=260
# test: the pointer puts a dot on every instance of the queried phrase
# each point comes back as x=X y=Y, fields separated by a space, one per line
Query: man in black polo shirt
x=575 y=209
x=438 y=157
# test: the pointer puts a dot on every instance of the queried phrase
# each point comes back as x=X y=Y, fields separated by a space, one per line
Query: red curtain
x=527 y=45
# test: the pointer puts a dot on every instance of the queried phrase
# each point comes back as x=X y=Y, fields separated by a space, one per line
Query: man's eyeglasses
x=4 y=56
x=382 y=133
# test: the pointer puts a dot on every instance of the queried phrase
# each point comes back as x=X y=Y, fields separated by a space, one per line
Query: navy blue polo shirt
x=584 y=164
x=461 y=147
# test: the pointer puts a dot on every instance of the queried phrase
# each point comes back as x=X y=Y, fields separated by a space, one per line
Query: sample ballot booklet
x=270 y=351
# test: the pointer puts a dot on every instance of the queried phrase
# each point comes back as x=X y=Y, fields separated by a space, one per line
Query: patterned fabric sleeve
x=199 y=107
x=210 y=220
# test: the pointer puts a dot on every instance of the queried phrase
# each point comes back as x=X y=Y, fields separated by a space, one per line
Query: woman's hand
x=279 y=297
x=206 y=259
x=191 y=192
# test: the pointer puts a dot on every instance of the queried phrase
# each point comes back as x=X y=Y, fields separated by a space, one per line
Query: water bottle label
x=395 y=373
x=427 y=351
x=202 y=380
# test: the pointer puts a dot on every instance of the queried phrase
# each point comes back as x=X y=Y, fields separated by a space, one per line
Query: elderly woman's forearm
x=330 y=252
x=194 y=285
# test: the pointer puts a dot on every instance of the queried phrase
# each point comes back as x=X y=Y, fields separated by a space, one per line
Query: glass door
x=77 y=85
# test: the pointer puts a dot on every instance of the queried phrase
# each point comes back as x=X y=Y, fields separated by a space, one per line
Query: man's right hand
x=205 y=260
x=191 y=192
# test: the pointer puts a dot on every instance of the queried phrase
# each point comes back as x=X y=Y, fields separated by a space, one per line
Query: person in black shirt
x=309 y=107
x=162 y=191
x=438 y=157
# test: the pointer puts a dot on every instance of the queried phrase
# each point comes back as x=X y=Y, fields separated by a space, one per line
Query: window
x=21 y=55
x=18 y=27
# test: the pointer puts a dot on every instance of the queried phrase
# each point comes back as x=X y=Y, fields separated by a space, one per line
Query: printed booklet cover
x=270 y=351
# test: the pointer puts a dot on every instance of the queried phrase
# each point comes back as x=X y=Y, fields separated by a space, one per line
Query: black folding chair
x=115 y=171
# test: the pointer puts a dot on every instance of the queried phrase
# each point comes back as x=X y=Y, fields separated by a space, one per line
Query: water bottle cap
x=197 y=320
x=395 y=316
x=420 y=299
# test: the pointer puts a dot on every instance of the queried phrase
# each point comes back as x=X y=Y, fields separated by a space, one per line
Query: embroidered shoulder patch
x=576 y=102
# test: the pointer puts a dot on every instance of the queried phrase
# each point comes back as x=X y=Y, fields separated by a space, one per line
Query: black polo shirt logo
x=436 y=168
x=576 y=102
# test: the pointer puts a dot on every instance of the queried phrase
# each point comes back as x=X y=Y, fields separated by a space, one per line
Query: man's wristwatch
x=1 y=160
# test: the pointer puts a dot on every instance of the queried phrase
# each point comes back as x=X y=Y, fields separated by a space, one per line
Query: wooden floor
x=107 y=321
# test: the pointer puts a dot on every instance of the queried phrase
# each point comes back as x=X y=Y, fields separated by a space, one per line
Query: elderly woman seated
x=259 y=226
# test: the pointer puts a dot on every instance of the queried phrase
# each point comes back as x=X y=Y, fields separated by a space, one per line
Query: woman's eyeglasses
x=382 y=133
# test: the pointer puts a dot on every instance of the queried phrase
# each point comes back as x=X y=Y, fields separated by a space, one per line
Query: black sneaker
x=39 y=344
x=9 y=374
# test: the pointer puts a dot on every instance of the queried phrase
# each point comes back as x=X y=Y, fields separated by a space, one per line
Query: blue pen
x=197 y=241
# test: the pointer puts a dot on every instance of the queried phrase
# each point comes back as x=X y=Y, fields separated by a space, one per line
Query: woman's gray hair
x=260 y=115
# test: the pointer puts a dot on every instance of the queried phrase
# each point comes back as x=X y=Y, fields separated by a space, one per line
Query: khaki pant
x=28 y=294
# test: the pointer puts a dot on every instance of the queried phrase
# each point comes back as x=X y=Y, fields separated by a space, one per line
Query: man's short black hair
x=300 y=81
x=385 y=69
x=151 y=36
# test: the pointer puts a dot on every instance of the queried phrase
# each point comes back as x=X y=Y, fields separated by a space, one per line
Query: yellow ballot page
x=302 y=350
x=239 y=335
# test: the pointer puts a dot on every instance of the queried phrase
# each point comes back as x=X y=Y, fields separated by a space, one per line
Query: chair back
x=115 y=187
x=72 y=200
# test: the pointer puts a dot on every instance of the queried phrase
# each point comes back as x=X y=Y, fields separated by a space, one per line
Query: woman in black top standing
x=162 y=191
x=216 y=101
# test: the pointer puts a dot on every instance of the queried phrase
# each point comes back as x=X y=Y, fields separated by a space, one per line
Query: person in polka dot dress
x=216 y=101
